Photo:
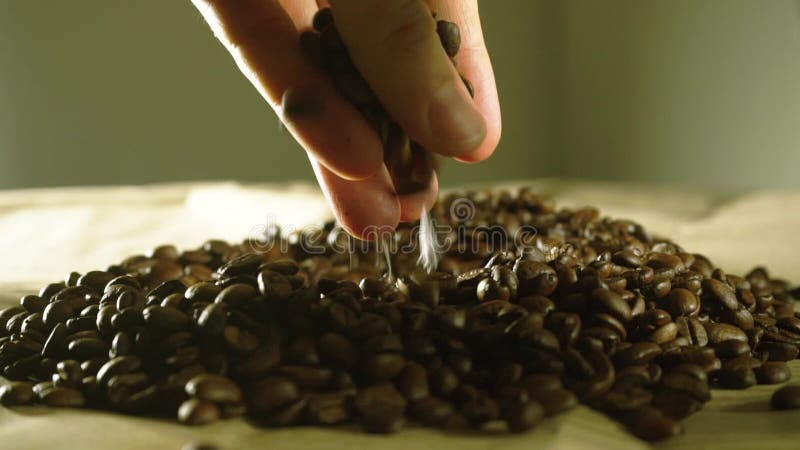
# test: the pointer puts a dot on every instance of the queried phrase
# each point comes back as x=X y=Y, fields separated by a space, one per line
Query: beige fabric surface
x=45 y=234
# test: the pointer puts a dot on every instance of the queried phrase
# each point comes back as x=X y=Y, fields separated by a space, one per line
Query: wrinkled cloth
x=47 y=233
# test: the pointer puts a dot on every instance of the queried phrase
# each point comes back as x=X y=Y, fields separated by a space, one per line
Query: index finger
x=265 y=43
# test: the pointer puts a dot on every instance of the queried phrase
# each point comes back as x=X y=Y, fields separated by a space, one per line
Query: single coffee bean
x=214 y=388
x=731 y=348
x=270 y=393
x=778 y=351
x=523 y=417
x=721 y=292
x=449 y=36
x=555 y=401
x=197 y=412
x=718 y=332
x=787 y=397
x=772 y=372
x=651 y=424
x=17 y=393
x=166 y=319
x=328 y=409
x=736 y=377
x=63 y=397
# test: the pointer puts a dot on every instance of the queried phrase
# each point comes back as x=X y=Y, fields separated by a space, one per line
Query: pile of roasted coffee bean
x=409 y=164
x=508 y=331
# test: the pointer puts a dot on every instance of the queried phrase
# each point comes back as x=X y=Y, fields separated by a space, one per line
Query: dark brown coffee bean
x=772 y=372
x=731 y=348
x=57 y=312
x=380 y=400
x=524 y=416
x=85 y=348
x=274 y=286
x=736 y=377
x=609 y=301
x=555 y=401
x=337 y=350
x=413 y=382
x=214 y=388
x=17 y=393
x=681 y=302
x=32 y=303
x=328 y=408
x=652 y=425
x=449 y=36
x=260 y=362
x=723 y=294
x=638 y=353
x=118 y=366
x=676 y=404
x=383 y=366
x=718 y=332
x=197 y=412
x=166 y=319
x=382 y=424
x=443 y=380
x=63 y=397
x=778 y=351
x=787 y=397
x=270 y=393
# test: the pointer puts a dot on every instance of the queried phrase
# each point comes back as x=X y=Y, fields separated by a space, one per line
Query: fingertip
x=361 y=207
x=486 y=148
x=411 y=205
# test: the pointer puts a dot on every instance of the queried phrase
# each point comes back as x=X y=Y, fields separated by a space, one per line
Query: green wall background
x=693 y=92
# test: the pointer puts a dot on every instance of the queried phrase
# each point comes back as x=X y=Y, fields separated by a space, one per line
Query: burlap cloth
x=44 y=234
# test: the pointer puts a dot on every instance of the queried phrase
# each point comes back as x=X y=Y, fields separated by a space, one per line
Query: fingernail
x=455 y=122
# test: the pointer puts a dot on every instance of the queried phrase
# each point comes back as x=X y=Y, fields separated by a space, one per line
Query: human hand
x=394 y=45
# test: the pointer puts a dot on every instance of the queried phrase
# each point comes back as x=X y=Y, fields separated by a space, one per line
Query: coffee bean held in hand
x=590 y=310
x=410 y=166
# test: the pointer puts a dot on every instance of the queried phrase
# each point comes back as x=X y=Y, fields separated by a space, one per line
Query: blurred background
x=696 y=93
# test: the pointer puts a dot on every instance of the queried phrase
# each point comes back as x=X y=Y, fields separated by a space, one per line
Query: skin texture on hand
x=394 y=45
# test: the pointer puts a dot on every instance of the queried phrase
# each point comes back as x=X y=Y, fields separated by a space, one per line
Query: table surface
x=45 y=234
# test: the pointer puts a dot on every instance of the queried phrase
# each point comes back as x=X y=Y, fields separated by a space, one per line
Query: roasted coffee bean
x=721 y=292
x=270 y=393
x=651 y=424
x=731 y=348
x=772 y=372
x=260 y=362
x=787 y=397
x=449 y=36
x=681 y=302
x=739 y=377
x=414 y=382
x=718 y=332
x=57 y=312
x=214 y=388
x=85 y=348
x=17 y=393
x=523 y=417
x=555 y=401
x=32 y=303
x=778 y=351
x=63 y=397
x=118 y=366
x=328 y=409
x=197 y=412
x=166 y=319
